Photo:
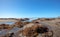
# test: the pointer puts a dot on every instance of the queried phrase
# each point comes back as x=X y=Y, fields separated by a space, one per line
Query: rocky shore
x=40 y=27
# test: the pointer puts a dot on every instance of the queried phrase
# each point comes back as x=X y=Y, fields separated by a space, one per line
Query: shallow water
x=10 y=23
x=3 y=32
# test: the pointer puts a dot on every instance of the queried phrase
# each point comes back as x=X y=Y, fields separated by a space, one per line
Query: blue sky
x=29 y=8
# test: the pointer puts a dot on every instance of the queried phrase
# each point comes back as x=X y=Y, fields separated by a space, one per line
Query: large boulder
x=35 y=30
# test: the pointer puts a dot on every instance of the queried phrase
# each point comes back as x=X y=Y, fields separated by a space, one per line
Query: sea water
x=10 y=23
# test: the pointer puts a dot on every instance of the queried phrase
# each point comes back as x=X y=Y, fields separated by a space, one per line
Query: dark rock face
x=42 y=30
x=11 y=35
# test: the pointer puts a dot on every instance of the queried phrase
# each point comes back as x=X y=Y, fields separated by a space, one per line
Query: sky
x=29 y=8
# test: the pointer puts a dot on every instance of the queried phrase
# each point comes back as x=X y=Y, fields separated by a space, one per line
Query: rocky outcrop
x=35 y=30
x=5 y=26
